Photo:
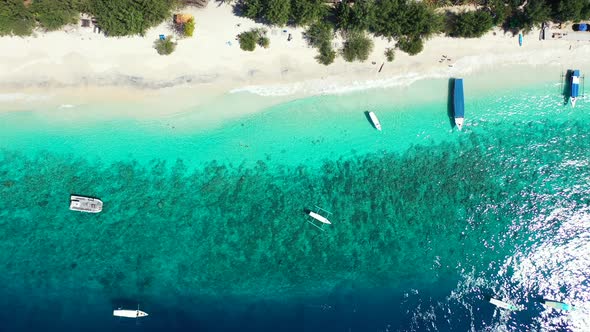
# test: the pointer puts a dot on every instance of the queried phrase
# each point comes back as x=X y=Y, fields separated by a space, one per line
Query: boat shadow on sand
x=567 y=86
x=450 y=102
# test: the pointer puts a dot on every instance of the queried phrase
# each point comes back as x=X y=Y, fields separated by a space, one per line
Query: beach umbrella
x=583 y=27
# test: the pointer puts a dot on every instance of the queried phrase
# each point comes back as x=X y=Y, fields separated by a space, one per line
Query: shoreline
x=76 y=66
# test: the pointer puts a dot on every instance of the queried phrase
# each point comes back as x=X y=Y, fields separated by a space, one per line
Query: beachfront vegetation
x=390 y=54
x=53 y=15
x=357 y=46
x=277 y=12
x=304 y=12
x=189 y=27
x=408 y=22
x=470 y=24
x=129 y=17
x=249 y=39
x=15 y=18
x=264 y=41
x=410 y=45
x=165 y=46
x=319 y=35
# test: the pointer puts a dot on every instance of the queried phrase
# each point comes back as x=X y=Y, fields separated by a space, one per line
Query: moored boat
x=85 y=204
x=575 y=87
x=129 y=313
x=375 y=120
x=319 y=217
x=558 y=305
x=503 y=305
x=458 y=102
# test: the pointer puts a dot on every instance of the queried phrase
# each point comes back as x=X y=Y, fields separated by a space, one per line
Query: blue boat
x=575 y=87
x=520 y=39
x=458 y=103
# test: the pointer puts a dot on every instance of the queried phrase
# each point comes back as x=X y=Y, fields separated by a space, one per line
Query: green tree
x=253 y=9
x=386 y=19
x=264 y=41
x=165 y=47
x=471 y=24
x=396 y=18
x=248 y=40
x=534 y=13
x=189 y=27
x=499 y=11
x=357 y=47
x=277 y=12
x=343 y=14
x=15 y=18
x=568 y=10
x=130 y=17
x=419 y=20
x=363 y=13
x=53 y=15
x=304 y=12
x=389 y=54
x=319 y=35
x=327 y=55
x=410 y=45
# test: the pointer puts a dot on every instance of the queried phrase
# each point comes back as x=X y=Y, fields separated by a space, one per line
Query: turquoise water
x=203 y=225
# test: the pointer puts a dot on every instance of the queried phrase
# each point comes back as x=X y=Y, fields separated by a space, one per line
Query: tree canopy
x=304 y=12
x=15 y=18
x=130 y=17
x=409 y=22
x=319 y=35
x=471 y=24
x=357 y=47
x=52 y=14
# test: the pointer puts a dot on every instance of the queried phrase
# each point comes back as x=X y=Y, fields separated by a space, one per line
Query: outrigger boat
x=575 y=87
x=317 y=216
x=458 y=103
x=129 y=313
x=503 y=305
x=375 y=120
x=558 y=305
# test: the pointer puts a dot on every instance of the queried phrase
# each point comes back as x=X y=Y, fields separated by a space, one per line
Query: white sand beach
x=77 y=65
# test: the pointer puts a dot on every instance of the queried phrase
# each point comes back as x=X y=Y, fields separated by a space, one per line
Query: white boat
x=558 y=305
x=85 y=204
x=129 y=313
x=503 y=305
x=375 y=121
x=319 y=217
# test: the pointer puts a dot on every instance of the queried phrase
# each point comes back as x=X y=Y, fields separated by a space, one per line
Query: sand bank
x=77 y=66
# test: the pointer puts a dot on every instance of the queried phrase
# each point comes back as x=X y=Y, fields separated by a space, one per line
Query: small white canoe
x=319 y=217
x=503 y=305
x=129 y=313
x=375 y=121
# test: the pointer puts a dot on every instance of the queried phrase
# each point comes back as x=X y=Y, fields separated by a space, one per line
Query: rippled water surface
x=205 y=228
